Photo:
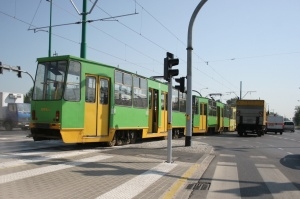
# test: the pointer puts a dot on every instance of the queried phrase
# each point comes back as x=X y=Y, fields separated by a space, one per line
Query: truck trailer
x=251 y=117
x=14 y=113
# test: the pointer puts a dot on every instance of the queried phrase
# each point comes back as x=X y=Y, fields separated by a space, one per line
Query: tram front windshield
x=56 y=80
x=49 y=80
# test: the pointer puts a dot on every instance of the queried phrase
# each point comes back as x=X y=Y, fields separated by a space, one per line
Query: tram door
x=164 y=111
x=96 y=112
x=203 y=116
x=153 y=111
x=219 y=119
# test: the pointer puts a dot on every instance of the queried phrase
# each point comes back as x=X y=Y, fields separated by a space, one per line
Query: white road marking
x=139 y=183
x=225 y=182
x=279 y=186
x=262 y=157
x=48 y=169
x=227 y=155
x=19 y=162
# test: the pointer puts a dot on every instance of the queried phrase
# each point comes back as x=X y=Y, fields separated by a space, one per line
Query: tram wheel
x=119 y=142
x=132 y=138
x=112 y=143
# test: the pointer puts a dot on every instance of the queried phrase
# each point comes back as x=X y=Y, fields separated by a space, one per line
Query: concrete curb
x=191 y=176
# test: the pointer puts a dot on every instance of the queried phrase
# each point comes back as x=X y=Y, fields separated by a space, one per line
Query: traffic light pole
x=188 y=137
x=15 y=69
x=169 y=126
x=169 y=62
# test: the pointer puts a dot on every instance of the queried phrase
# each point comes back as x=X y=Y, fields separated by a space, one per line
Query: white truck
x=275 y=123
x=14 y=113
x=250 y=117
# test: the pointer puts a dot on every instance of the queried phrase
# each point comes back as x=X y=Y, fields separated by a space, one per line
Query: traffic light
x=181 y=82
x=19 y=72
x=169 y=62
x=1 y=68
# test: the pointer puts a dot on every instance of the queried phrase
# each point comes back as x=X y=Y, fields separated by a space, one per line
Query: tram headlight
x=57 y=115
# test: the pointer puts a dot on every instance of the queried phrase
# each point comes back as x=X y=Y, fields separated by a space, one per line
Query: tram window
x=162 y=100
x=196 y=106
x=150 y=98
x=205 y=109
x=139 y=92
x=103 y=91
x=175 y=100
x=123 y=88
x=72 y=90
x=90 y=92
x=182 y=102
x=50 y=79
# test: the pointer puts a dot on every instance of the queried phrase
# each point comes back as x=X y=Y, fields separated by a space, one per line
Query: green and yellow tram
x=79 y=101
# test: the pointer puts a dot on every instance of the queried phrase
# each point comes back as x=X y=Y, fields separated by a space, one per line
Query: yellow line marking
x=176 y=186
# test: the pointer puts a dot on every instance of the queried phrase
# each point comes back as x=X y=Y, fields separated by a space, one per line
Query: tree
x=232 y=101
x=297 y=116
x=27 y=98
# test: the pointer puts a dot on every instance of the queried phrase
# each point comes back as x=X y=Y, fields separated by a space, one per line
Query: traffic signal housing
x=1 y=68
x=19 y=72
x=169 y=62
x=181 y=82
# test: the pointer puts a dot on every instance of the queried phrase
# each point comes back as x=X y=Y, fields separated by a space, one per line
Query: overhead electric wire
x=153 y=42
x=168 y=30
x=87 y=46
x=35 y=14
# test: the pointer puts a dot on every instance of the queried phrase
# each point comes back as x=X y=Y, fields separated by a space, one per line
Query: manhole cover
x=199 y=186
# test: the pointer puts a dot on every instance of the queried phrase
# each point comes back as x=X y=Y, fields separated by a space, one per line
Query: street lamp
x=199 y=92
x=203 y=89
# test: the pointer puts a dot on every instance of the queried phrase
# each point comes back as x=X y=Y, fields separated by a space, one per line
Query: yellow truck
x=251 y=117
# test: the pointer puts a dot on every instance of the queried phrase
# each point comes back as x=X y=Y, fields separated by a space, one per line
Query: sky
x=245 y=48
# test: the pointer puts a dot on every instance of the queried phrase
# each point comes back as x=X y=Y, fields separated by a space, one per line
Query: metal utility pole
x=169 y=126
x=169 y=73
x=83 y=34
x=240 y=89
x=188 y=137
x=50 y=29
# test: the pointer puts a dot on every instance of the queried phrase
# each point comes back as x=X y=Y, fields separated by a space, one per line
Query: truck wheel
x=240 y=133
x=280 y=133
x=259 y=134
x=35 y=138
x=7 y=126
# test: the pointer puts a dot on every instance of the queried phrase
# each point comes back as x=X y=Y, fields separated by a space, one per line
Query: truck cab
x=17 y=115
x=13 y=112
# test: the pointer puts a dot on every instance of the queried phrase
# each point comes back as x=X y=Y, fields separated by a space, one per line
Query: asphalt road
x=244 y=167
x=253 y=167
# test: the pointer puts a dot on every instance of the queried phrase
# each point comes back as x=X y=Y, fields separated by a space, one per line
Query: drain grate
x=199 y=186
